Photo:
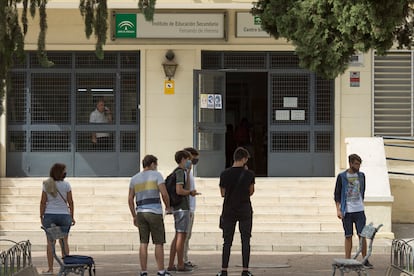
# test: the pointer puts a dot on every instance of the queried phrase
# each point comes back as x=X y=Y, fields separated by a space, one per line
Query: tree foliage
x=13 y=30
x=326 y=33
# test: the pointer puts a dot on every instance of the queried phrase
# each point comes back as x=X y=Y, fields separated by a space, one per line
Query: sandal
x=48 y=272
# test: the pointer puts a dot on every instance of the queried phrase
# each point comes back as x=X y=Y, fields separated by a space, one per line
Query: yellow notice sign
x=169 y=87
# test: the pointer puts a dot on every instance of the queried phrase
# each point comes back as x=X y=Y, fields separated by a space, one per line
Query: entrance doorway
x=288 y=113
x=246 y=117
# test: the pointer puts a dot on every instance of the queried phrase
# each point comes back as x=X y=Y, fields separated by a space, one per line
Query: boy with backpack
x=181 y=211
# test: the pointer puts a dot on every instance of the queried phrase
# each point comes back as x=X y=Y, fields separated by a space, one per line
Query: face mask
x=194 y=161
x=188 y=164
x=63 y=176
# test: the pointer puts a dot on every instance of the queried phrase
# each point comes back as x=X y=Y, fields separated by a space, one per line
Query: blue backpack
x=80 y=259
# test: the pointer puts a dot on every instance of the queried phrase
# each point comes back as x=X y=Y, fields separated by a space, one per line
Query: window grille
x=105 y=144
x=323 y=142
x=16 y=99
x=50 y=141
x=283 y=60
x=290 y=99
x=323 y=101
x=48 y=110
x=91 y=88
x=50 y=98
x=129 y=106
x=60 y=60
x=129 y=141
x=17 y=141
x=242 y=60
x=290 y=141
x=89 y=60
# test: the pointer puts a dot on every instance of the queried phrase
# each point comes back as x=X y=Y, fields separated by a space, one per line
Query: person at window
x=56 y=207
x=101 y=115
x=236 y=187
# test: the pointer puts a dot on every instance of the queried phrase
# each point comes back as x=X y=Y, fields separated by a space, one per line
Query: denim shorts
x=62 y=220
x=181 y=220
x=357 y=218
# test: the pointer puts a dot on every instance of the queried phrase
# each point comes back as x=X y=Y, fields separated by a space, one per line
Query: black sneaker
x=222 y=273
x=368 y=265
x=246 y=273
x=165 y=273
x=143 y=274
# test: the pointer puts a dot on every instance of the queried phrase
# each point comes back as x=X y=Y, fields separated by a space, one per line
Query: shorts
x=357 y=218
x=181 y=220
x=150 y=223
x=64 y=221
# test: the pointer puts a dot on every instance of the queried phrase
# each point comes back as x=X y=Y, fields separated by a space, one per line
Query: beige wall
x=353 y=109
x=402 y=188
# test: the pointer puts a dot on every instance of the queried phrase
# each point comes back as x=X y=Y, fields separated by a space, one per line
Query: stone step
x=290 y=214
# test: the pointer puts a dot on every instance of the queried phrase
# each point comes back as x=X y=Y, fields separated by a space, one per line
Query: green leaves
x=95 y=15
x=327 y=33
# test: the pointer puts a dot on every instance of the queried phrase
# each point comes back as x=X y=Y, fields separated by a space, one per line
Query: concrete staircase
x=290 y=215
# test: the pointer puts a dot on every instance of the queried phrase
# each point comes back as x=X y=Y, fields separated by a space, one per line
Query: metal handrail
x=400 y=146
x=16 y=258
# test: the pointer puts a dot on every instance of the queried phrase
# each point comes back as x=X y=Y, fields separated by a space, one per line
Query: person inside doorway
x=243 y=137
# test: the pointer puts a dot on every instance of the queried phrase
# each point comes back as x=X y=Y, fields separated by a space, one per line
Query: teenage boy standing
x=237 y=186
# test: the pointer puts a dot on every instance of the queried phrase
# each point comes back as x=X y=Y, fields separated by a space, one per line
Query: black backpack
x=170 y=183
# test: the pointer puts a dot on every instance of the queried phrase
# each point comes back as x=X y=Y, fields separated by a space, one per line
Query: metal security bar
x=402 y=258
x=404 y=142
x=15 y=258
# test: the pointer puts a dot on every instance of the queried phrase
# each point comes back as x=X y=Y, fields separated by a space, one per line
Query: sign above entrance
x=249 y=26
x=170 y=25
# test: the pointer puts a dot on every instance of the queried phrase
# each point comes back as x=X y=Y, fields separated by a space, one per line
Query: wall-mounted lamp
x=169 y=65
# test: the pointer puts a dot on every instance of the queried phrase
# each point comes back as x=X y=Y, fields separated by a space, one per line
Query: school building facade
x=227 y=69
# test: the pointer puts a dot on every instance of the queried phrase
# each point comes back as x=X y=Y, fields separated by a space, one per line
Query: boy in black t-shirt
x=236 y=186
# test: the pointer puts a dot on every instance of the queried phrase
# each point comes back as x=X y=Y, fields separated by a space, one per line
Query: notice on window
x=290 y=102
x=203 y=100
x=282 y=115
x=297 y=115
x=218 y=102
x=210 y=101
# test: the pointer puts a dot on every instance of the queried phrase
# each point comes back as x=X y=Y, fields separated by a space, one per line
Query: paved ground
x=126 y=263
x=262 y=263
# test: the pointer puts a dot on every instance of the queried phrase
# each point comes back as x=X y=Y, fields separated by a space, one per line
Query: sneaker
x=165 y=273
x=222 y=273
x=246 y=273
x=368 y=265
x=190 y=264
x=143 y=274
x=184 y=269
